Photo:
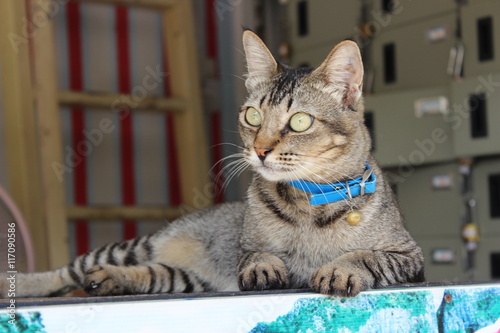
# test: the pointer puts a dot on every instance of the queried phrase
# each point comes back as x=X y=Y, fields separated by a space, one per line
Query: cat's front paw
x=103 y=280
x=335 y=281
x=263 y=276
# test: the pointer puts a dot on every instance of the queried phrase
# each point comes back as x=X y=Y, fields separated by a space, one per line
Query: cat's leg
x=203 y=243
x=261 y=271
x=144 y=279
x=51 y=283
x=180 y=264
x=67 y=278
x=357 y=271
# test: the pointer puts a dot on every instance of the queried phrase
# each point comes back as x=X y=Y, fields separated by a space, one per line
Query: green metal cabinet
x=474 y=11
x=327 y=22
x=401 y=138
x=419 y=63
x=462 y=121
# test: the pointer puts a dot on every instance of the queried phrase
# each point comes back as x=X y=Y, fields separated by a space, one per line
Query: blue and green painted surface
x=460 y=310
x=24 y=322
x=454 y=309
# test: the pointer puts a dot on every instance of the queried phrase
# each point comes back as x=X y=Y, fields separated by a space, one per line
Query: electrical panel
x=404 y=139
x=433 y=214
x=484 y=265
x=494 y=194
x=389 y=62
x=315 y=24
x=314 y=56
x=435 y=271
x=478 y=116
x=395 y=12
x=481 y=37
x=484 y=32
x=495 y=265
x=370 y=125
x=474 y=115
x=422 y=201
x=486 y=174
x=404 y=57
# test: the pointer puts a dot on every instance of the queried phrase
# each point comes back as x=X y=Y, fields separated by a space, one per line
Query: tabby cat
x=319 y=213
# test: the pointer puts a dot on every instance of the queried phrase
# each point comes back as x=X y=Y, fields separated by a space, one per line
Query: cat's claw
x=93 y=285
x=263 y=276
x=336 y=282
x=101 y=281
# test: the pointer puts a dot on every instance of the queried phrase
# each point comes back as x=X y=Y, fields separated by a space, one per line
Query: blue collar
x=328 y=193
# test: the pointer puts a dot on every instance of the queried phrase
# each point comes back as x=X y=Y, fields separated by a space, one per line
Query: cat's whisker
x=297 y=174
x=352 y=143
x=234 y=132
x=325 y=181
x=330 y=172
x=229 y=144
x=231 y=174
x=235 y=155
x=227 y=74
x=239 y=51
x=238 y=77
x=236 y=172
x=222 y=160
x=235 y=168
x=232 y=164
x=313 y=156
x=345 y=197
x=309 y=178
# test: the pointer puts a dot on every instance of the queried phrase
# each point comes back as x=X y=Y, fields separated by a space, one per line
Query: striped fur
x=180 y=258
x=286 y=242
x=275 y=239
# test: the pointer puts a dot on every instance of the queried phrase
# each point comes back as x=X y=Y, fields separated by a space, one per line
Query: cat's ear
x=342 y=72
x=260 y=62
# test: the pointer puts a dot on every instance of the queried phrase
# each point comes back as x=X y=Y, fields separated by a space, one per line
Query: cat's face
x=303 y=124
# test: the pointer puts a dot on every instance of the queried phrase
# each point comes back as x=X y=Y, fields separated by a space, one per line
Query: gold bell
x=354 y=217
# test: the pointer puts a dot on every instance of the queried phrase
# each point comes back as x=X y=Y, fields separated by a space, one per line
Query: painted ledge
x=416 y=308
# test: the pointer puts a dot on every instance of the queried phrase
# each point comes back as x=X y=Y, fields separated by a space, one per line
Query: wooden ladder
x=34 y=142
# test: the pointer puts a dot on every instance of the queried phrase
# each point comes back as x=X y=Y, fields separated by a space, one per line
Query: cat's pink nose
x=262 y=152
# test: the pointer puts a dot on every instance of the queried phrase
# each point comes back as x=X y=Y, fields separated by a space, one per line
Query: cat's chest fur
x=305 y=237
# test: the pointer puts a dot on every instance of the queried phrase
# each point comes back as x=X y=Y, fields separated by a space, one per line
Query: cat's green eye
x=301 y=122
x=253 y=117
